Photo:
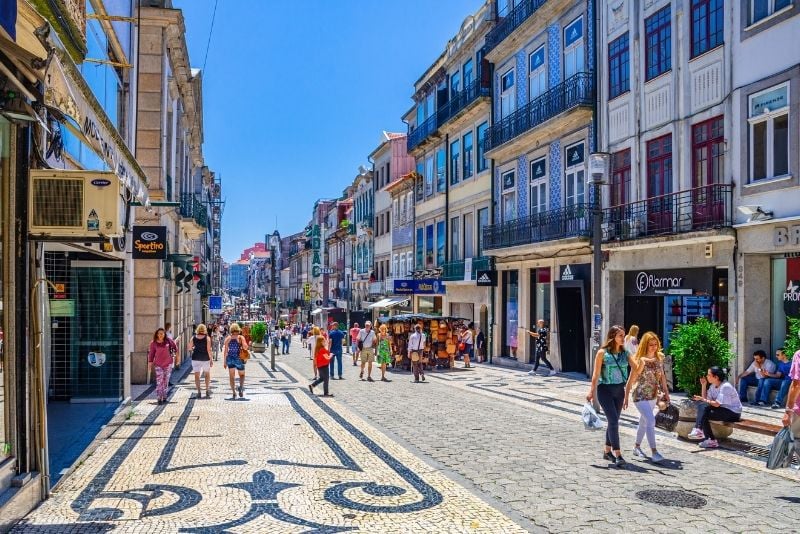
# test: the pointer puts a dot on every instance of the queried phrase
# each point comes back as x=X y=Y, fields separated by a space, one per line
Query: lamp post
x=274 y=243
x=598 y=171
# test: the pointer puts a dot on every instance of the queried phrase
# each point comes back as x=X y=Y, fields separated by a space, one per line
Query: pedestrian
x=216 y=336
x=384 y=351
x=542 y=344
x=791 y=416
x=467 y=339
x=312 y=342
x=200 y=347
x=367 y=341
x=335 y=337
x=480 y=345
x=304 y=335
x=161 y=356
x=719 y=402
x=416 y=346
x=647 y=379
x=632 y=339
x=322 y=357
x=287 y=338
x=168 y=329
x=611 y=368
x=231 y=361
x=354 y=342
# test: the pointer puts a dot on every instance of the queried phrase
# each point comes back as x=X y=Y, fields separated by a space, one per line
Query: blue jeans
x=747 y=381
x=286 y=346
x=337 y=359
x=775 y=383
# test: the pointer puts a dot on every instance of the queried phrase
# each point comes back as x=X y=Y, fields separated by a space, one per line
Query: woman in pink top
x=354 y=342
x=161 y=356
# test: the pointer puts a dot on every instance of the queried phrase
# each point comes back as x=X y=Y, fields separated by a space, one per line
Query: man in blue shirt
x=777 y=380
x=336 y=336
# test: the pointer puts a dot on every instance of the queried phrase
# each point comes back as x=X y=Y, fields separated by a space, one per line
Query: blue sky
x=296 y=95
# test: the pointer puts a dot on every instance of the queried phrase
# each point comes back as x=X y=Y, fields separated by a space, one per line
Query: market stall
x=441 y=335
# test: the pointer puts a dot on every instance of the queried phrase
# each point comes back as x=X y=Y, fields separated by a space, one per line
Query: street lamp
x=598 y=171
x=274 y=244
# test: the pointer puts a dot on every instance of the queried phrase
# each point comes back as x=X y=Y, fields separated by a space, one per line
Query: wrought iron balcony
x=570 y=221
x=578 y=90
x=421 y=132
x=461 y=100
x=193 y=208
x=511 y=22
x=701 y=208
x=454 y=270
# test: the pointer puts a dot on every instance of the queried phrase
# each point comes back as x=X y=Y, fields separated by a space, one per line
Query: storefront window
x=511 y=312
x=785 y=297
x=5 y=175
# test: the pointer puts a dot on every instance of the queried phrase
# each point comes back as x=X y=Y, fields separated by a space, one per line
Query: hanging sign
x=149 y=242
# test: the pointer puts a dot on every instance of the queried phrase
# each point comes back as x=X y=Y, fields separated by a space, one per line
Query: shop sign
x=421 y=286
x=575 y=155
x=669 y=282
x=149 y=243
x=791 y=299
x=769 y=101
x=576 y=271
x=786 y=236
x=486 y=278
x=215 y=304
x=316 y=263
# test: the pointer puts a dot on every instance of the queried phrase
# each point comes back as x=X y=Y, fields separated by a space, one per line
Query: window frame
x=508 y=94
x=573 y=46
x=483 y=162
x=539 y=72
x=619 y=194
x=714 y=138
x=441 y=177
x=538 y=183
x=455 y=237
x=455 y=155
x=577 y=175
x=466 y=158
x=768 y=118
x=510 y=192
x=619 y=63
x=695 y=25
x=660 y=159
x=661 y=29
x=771 y=11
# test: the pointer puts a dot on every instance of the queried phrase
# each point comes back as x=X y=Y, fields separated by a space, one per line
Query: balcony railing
x=376 y=288
x=578 y=90
x=701 y=208
x=459 y=101
x=511 y=22
x=570 y=221
x=454 y=270
x=421 y=132
x=193 y=208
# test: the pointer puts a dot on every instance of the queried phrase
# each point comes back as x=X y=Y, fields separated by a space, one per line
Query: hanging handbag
x=667 y=418
x=244 y=354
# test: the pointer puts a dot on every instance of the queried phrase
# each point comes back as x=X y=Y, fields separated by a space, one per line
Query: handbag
x=668 y=418
x=244 y=354
x=780 y=452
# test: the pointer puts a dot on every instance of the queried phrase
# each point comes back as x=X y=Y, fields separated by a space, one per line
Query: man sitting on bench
x=754 y=377
x=778 y=380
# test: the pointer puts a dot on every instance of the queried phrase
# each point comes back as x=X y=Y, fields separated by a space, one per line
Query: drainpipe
x=492 y=266
x=446 y=196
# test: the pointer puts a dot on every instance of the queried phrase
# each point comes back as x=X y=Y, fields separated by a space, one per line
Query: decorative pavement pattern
x=279 y=460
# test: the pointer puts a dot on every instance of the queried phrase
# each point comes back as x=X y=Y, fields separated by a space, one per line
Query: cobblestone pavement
x=280 y=460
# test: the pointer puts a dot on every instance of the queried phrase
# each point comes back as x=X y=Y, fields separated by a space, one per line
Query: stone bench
x=758 y=427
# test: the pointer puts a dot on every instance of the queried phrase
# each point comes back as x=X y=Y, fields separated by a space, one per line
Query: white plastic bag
x=782 y=449
x=590 y=419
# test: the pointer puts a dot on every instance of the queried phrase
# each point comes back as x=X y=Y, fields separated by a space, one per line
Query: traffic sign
x=215 y=304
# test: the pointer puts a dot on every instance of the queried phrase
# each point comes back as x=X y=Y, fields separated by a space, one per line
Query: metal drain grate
x=681 y=498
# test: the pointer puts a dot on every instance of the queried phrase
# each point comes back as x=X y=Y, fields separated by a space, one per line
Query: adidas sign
x=566 y=274
x=486 y=278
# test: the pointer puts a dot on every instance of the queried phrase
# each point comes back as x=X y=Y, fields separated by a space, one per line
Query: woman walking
x=200 y=347
x=647 y=379
x=611 y=368
x=542 y=337
x=313 y=335
x=384 y=351
x=468 y=339
x=632 y=339
x=231 y=349
x=720 y=402
x=322 y=357
x=161 y=356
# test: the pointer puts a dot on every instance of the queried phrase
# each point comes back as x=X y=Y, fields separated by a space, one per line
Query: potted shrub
x=695 y=347
x=257 y=332
x=792 y=342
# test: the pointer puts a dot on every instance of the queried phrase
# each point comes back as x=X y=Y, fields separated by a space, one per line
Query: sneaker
x=341 y=378
x=775 y=406
x=696 y=435
x=619 y=461
x=532 y=372
x=762 y=403
x=208 y=394
x=361 y=375
x=657 y=458
x=311 y=389
x=241 y=392
x=608 y=456
x=552 y=372
x=639 y=453
x=423 y=378
x=709 y=444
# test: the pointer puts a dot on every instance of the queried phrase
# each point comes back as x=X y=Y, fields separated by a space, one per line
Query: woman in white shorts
x=200 y=347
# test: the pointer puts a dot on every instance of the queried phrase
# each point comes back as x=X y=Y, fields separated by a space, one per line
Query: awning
x=316 y=311
x=389 y=302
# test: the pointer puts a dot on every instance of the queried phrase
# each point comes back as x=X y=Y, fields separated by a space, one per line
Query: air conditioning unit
x=75 y=204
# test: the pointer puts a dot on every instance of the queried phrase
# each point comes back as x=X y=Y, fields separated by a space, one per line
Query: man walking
x=416 y=344
x=287 y=338
x=367 y=338
x=335 y=338
x=354 y=342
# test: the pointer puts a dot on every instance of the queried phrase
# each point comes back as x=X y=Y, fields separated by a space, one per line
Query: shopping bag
x=668 y=418
x=590 y=419
x=781 y=450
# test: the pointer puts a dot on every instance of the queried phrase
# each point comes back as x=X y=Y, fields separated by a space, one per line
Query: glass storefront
x=5 y=176
x=510 y=325
x=785 y=297
x=430 y=305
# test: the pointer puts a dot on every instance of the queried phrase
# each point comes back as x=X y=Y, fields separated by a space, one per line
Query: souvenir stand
x=441 y=334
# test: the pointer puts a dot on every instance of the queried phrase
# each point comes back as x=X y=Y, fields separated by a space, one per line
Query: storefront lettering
x=645 y=281
x=787 y=236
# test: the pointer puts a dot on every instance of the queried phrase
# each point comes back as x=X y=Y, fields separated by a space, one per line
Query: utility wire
x=210 y=32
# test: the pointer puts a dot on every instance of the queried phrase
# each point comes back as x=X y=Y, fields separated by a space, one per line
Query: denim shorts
x=235 y=362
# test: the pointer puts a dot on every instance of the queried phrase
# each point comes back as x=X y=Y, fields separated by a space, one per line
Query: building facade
x=363 y=247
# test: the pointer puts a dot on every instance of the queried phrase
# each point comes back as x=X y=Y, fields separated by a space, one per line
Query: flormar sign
x=669 y=282
x=149 y=242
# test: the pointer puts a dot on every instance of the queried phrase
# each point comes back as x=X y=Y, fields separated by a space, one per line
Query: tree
x=694 y=348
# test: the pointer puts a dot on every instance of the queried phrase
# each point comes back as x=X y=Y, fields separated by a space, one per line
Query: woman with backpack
x=646 y=380
x=231 y=358
x=611 y=369
x=161 y=356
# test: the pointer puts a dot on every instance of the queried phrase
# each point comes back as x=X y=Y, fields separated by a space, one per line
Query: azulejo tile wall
x=555 y=175
x=522 y=186
x=554 y=54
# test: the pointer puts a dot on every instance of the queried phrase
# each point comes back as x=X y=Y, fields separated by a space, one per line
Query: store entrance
x=572 y=331
x=647 y=312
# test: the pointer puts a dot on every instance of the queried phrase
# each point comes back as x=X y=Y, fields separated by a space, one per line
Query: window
x=707 y=25
x=420 y=248
x=620 y=178
x=538 y=194
x=399 y=265
x=537 y=79
x=467 y=163
x=509 y=198
x=483 y=222
x=455 y=154
x=573 y=48
x=761 y=9
x=659 y=166
x=708 y=152
x=441 y=182
x=468 y=235
x=428 y=176
x=468 y=73
x=429 y=246
x=455 y=251
x=575 y=175
x=420 y=180
x=507 y=96
x=658 y=43
x=388 y=221
x=455 y=84
x=482 y=163
x=769 y=133
x=440 y=242
x=618 y=67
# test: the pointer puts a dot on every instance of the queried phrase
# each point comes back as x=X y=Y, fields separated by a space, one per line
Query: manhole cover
x=684 y=499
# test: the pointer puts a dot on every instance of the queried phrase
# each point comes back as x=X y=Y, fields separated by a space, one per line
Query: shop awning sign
x=669 y=282
x=791 y=299
x=486 y=278
x=421 y=286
